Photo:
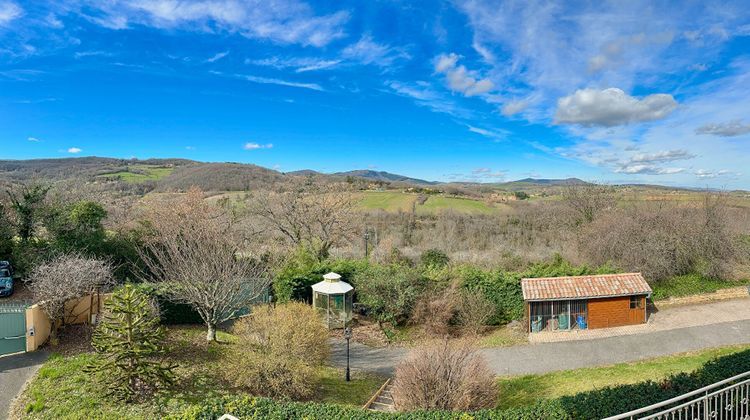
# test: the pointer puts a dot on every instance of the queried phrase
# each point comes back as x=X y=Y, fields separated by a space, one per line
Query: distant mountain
x=542 y=181
x=383 y=176
x=304 y=172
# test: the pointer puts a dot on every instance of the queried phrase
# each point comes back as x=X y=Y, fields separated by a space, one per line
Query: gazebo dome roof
x=331 y=285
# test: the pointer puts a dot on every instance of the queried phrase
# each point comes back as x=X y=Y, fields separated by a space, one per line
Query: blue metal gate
x=12 y=328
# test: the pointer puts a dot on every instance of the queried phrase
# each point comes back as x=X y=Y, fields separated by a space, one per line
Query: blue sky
x=487 y=91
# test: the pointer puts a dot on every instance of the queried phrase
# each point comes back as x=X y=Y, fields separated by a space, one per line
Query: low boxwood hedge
x=595 y=404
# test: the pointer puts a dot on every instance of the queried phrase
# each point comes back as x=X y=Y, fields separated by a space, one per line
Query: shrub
x=390 y=292
x=434 y=311
x=474 y=311
x=434 y=258
x=127 y=340
x=282 y=346
x=447 y=375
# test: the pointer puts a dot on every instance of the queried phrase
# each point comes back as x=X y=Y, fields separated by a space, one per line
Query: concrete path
x=14 y=372
x=548 y=357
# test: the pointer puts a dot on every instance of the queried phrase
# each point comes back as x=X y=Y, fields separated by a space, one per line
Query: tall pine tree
x=128 y=340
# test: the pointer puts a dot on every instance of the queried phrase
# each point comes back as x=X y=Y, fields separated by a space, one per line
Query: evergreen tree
x=128 y=340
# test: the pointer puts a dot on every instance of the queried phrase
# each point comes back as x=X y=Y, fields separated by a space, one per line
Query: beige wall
x=38 y=320
x=77 y=311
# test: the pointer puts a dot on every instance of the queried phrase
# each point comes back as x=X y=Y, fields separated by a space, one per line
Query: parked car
x=6 y=282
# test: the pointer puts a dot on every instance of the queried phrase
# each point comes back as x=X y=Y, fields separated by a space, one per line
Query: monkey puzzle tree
x=128 y=341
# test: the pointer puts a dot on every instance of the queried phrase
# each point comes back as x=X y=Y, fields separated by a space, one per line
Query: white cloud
x=611 y=107
x=256 y=146
x=9 y=12
x=217 y=57
x=280 y=82
x=726 y=129
x=74 y=150
x=281 y=21
x=459 y=78
x=189 y=147
x=661 y=157
x=33 y=139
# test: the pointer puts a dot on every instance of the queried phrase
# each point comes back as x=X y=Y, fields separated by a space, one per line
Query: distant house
x=585 y=302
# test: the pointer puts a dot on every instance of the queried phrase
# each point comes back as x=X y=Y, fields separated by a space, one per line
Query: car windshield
x=4 y=273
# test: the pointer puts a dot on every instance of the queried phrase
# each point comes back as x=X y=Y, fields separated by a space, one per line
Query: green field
x=437 y=203
x=518 y=391
x=387 y=200
x=394 y=201
x=140 y=173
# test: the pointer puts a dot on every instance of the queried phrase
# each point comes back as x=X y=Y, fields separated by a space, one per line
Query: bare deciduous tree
x=588 y=200
x=64 y=278
x=446 y=375
x=318 y=218
x=193 y=252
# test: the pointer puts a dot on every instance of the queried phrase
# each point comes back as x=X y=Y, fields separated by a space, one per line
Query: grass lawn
x=691 y=284
x=518 y=391
x=144 y=173
x=62 y=390
x=503 y=337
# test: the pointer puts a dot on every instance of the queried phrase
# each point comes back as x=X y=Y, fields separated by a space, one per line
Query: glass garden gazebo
x=332 y=298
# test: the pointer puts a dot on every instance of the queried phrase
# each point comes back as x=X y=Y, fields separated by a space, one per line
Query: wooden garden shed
x=585 y=302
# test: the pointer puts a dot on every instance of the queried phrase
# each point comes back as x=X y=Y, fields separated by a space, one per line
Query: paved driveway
x=14 y=372
x=548 y=357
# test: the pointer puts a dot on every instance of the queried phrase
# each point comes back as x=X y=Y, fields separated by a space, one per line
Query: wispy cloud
x=281 y=82
x=493 y=134
x=75 y=150
x=82 y=54
x=299 y=64
x=217 y=57
x=283 y=21
x=367 y=51
x=9 y=11
x=33 y=139
x=726 y=129
x=256 y=146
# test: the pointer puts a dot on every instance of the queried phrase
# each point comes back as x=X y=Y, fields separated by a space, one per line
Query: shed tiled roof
x=581 y=287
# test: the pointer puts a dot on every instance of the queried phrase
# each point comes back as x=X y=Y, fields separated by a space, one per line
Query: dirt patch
x=72 y=340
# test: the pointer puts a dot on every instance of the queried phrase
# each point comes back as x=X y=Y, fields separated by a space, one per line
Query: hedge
x=595 y=404
x=264 y=408
x=611 y=401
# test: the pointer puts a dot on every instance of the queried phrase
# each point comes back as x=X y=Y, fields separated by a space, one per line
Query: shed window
x=636 y=302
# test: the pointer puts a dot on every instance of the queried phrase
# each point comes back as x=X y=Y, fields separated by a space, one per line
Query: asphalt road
x=548 y=357
x=14 y=372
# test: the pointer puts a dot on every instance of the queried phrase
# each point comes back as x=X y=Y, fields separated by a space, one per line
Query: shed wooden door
x=637 y=313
